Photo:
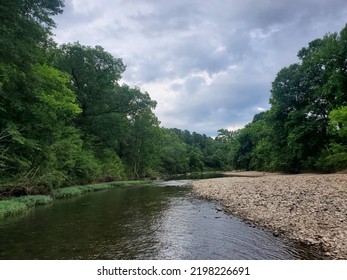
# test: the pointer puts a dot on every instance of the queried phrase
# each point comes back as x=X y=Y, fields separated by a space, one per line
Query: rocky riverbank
x=309 y=208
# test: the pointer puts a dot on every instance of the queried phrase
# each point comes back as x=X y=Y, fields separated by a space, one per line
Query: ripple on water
x=162 y=221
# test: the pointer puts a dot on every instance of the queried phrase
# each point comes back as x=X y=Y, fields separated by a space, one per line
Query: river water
x=161 y=221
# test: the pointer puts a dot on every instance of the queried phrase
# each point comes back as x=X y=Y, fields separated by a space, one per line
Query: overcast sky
x=208 y=64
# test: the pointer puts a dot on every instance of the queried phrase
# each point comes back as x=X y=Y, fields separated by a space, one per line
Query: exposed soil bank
x=309 y=208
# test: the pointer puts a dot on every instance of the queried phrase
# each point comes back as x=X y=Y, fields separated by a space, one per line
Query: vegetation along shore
x=22 y=204
x=308 y=208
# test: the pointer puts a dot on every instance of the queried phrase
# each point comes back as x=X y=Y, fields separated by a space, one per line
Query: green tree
x=35 y=120
x=174 y=155
x=143 y=147
x=24 y=30
x=39 y=145
x=111 y=113
x=338 y=121
x=225 y=148
x=334 y=157
x=302 y=97
x=94 y=73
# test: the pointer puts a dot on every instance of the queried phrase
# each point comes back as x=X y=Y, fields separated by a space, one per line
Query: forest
x=65 y=119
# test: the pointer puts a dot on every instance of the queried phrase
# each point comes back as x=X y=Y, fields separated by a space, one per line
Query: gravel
x=309 y=208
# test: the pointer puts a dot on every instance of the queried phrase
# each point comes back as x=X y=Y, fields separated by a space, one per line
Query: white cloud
x=208 y=64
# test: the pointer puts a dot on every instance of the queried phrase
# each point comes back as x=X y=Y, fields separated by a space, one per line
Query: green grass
x=33 y=200
x=66 y=192
x=78 y=190
x=22 y=204
x=10 y=207
x=17 y=205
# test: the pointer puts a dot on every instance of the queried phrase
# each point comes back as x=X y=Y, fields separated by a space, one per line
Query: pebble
x=310 y=208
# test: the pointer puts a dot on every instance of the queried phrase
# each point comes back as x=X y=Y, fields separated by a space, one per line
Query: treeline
x=185 y=152
x=65 y=118
x=306 y=127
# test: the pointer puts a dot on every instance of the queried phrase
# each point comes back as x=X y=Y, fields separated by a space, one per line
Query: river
x=159 y=221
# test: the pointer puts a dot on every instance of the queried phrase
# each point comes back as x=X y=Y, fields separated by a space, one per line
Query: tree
x=25 y=28
x=35 y=120
x=110 y=112
x=39 y=146
x=334 y=156
x=174 y=155
x=94 y=74
x=143 y=147
x=338 y=121
x=225 y=147
x=302 y=97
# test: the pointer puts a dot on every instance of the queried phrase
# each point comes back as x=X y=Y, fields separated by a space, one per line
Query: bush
x=333 y=159
x=111 y=165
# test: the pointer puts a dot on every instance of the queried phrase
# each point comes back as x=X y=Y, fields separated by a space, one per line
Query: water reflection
x=141 y=222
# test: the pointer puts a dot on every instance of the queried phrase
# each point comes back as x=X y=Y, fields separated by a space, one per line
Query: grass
x=16 y=205
x=130 y=183
x=33 y=200
x=22 y=204
x=10 y=207
x=78 y=190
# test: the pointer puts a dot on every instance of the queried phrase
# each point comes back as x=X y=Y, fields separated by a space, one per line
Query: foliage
x=67 y=192
x=64 y=118
x=9 y=207
x=338 y=121
x=25 y=29
x=116 y=121
x=22 y=204
x=141 y=152
x=305 y=115
x=334 y=158
x=174 y=157
x=33 y=200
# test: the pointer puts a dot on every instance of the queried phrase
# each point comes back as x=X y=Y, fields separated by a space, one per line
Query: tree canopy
x=66 y=119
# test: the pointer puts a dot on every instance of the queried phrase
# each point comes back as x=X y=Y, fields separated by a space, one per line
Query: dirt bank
x=309 y=208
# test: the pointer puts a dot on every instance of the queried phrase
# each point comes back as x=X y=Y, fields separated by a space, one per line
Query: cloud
x=208 y=64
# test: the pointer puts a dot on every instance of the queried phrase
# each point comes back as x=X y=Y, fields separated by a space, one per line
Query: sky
x=208 y=64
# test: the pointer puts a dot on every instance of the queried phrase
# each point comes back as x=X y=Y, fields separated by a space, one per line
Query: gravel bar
x=308 y=208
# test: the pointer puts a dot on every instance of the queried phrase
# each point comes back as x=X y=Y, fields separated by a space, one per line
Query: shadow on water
x=161 y=221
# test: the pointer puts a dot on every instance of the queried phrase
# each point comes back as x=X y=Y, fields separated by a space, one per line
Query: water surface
x=161 y=221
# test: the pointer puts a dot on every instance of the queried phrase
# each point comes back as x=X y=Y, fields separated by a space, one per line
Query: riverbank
x=308 y=208
x=17 y=205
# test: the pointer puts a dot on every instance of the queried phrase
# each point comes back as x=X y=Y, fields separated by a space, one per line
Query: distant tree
x=174 y=156
x=143 y=147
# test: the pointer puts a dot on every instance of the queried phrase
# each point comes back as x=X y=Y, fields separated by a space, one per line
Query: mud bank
x=308 y=208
